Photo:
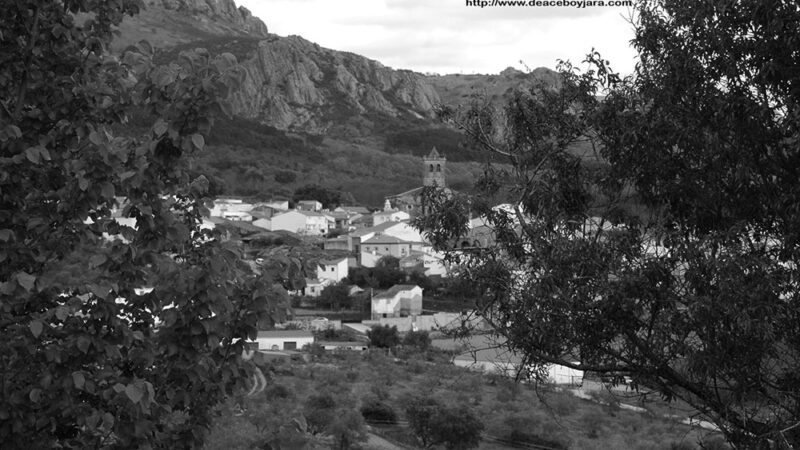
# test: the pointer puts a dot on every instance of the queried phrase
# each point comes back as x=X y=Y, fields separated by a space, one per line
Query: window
x=331 y=269
x=290 y=345
x=438 y=167
x=431 y=167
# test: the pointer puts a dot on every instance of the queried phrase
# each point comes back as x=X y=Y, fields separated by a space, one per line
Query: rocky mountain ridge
x=296 y=85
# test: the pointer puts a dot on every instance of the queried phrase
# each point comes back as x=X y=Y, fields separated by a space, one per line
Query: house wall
x=393 y=216
x=388 y=306
x=314 y=290
x=290 y=221
x=369 y=259
x=398 y=250
x=333 y=272
x=263 y=223
x=309 y=205
x=404 y=231
x=221 y=207
x=337 y=244
x=411 y=302
x=556 y=374
x=316 y=225
x=280 y=343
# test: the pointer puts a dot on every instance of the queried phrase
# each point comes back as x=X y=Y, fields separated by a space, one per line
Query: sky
x=449 y=36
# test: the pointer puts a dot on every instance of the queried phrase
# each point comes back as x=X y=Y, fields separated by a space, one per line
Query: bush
x=383 y=336
x=417 y=339
x=277 y=391
x=434 y=424
x=285 y=176
x=378 y=412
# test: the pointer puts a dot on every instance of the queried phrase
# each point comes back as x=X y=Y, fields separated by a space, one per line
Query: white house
x=263 y=223
x=377 y=247
x=389 y=216
x=282 y=205
x=302 y=222
x=342 y=346
x=284 y=339
x=400 y=230
x=309 y=205
x=333 y=270
x=336 y=243
x=230 y=208
x=401 y=300
x=315 y=286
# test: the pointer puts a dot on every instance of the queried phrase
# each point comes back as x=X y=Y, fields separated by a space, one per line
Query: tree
x=383 y=336
x=417 y=339
x=329 y=198
x=320 y=412
x=136 y=349
x=375 y=410
x=348 y=429
x=335 y=296
x=434 y=424
x=671 y=255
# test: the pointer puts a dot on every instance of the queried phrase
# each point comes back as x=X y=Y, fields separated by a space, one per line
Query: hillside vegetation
x=513 y=415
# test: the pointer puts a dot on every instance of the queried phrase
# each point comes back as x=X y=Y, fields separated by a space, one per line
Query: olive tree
x=669 y=254
x=111 y=334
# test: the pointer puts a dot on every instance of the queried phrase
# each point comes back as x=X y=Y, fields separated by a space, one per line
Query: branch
x=23 y=85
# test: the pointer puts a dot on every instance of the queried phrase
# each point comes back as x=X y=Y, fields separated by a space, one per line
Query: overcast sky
x=447 y=36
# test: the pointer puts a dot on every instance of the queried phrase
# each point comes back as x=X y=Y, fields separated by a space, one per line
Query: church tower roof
x=434 y=154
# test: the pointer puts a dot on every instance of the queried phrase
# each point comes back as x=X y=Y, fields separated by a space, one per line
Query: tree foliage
x=136 y=349
x=435 y=424
x=383 y=336
x=419 y=340
x=671 y=255
x=329 y=198
x=335 y=296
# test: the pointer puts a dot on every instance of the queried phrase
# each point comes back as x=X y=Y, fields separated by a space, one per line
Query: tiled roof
x=376 y=229
x=434 y=154
x=394 y=290
x=331 y=262
x=384 y=239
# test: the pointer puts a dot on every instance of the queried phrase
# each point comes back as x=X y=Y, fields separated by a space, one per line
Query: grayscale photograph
x=400 y=224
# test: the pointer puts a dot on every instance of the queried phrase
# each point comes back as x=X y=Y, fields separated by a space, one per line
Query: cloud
x=447 y=36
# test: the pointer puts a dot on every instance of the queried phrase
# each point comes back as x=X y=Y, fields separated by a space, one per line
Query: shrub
x=277 y=391
x=285 y=176
x=383 y=336
x=419 y=340
x=377 y=411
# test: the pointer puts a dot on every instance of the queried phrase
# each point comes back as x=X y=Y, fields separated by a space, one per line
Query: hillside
x=458 y=89
x=306 y=114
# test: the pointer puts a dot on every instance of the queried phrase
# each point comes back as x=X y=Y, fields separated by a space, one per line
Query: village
x=347 y=241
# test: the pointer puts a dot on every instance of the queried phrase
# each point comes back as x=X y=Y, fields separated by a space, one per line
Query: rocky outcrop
x=218 y=16
x=298 y=85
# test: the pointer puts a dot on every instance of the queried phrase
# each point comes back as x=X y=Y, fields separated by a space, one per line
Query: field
x=514 y=415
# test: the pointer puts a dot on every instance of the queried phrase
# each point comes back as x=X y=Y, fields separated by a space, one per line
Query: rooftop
x=434 y=154
x=385 y=239
x=396 y=289
x=332 y=261
x=376 y=229
x=285 y=334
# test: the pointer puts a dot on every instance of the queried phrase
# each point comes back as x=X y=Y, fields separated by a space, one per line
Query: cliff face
x=167 y=23
x=222 y=15
x=295 y=84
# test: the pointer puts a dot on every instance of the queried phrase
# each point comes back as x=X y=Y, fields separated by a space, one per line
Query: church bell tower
x=433 y=169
